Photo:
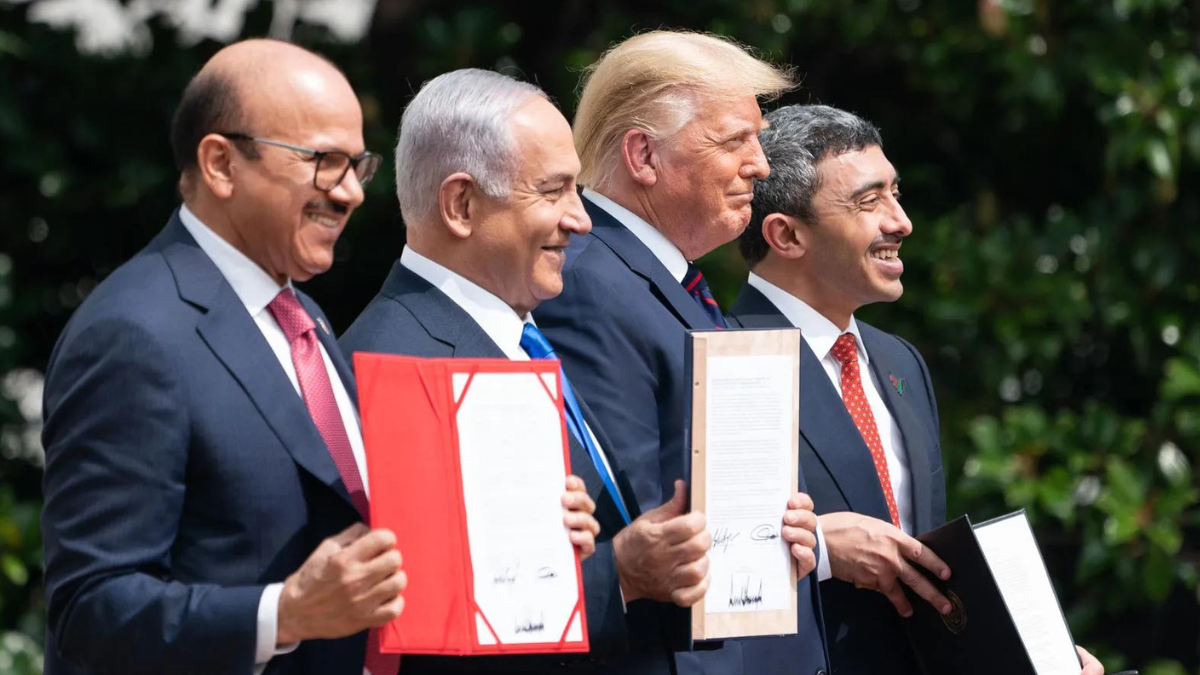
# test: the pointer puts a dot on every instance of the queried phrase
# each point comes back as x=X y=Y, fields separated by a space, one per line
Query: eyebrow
x=563 y=177
x=873 y=186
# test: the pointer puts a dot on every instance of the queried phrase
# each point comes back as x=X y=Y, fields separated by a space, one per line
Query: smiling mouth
x=323 y=220
x=886 y=254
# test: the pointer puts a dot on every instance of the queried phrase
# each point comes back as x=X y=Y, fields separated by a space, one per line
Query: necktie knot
x=846 y=349
x=535 y=343
x=696 y=286
x=290 y=315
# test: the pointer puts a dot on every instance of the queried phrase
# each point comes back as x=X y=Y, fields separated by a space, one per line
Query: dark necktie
x=694 y=283
x=317 y=391
x=538 y=347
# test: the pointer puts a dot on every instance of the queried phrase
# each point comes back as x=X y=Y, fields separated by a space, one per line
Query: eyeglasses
x=331 y=165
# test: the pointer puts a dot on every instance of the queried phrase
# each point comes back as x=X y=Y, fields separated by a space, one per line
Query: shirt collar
x=820 y=333
x=253 y=286
x=493 y=315
x=662 y=248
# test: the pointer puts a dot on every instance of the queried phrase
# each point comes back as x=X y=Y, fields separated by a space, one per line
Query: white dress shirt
x=819 y=334
x=494 y=316
x=672 y=258
x=256 y=289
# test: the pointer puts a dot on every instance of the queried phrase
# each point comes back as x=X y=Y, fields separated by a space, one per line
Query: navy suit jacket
x=183 y=474
x=410 y=316
x=866 y=635
x=620 y=325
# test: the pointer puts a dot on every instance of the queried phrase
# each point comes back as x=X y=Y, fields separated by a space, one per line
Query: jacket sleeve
x=116 y=437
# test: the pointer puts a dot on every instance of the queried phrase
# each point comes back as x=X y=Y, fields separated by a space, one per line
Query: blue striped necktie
x=538 y=347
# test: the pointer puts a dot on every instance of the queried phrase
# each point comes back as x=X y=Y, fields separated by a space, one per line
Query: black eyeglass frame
x=318 y=155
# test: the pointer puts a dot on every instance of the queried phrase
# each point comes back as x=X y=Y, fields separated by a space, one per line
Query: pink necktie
x=298 y=327
x=846 y=351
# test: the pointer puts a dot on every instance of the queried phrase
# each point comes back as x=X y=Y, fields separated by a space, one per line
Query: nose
x=576 y=219
x=755 y=166
x=350 y=191
x=898 y=222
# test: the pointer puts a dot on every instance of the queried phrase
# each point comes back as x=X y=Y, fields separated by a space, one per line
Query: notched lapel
x=229 y=330
x=917 y=442
x=641 y=260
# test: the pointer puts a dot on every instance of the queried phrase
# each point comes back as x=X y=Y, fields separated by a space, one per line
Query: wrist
x=286 y=632
x=628 y=590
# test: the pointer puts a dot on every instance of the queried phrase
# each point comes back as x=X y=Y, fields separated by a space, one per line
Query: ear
x=637 y=153
x=458 y=204
x=786 y=235
x=215 y=157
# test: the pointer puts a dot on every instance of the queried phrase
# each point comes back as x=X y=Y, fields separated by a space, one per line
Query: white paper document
x=749 y=413
x=1013 y=556
x=510 y=440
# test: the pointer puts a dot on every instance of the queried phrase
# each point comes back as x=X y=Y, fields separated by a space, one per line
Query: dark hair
x=210 y=104
x=798 y=139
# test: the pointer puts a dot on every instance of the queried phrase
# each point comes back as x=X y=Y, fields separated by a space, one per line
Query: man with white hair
x=486 y=178
x=667 y=133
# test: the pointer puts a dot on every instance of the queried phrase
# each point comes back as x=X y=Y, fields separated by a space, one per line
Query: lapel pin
x=898 y=383
x=325 y=328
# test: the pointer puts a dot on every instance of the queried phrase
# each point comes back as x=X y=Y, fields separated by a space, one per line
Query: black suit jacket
x=620 y=325
x=410 y=316
x=865 y=634
x=183 y=474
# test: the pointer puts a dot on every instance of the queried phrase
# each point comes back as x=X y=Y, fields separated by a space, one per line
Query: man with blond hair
x=667 y=134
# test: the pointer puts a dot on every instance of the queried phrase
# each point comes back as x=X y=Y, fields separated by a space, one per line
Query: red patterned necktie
x=846 y=351
x=694 y=283
x=317 y=391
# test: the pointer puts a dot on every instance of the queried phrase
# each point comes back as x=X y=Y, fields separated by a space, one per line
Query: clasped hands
x=662 y=554
x=354 y=580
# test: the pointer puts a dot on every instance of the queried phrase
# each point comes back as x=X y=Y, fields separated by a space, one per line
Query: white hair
x=459 y=121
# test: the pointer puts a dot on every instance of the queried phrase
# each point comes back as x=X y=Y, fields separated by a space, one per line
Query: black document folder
x=981 y=635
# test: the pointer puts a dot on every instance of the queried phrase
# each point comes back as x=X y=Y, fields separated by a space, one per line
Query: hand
x=578 y=518
x=663 y=554
x=874 y=554
x=799 y=529
x=1091 y=666
x=352 y=582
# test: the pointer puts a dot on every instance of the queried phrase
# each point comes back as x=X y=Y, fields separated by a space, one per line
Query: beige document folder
x=744 y=438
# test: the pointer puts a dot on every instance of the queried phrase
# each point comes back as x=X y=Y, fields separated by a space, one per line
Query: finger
x=682 y=528
x=575 y=484
x=349 y=535
x=923 y=556
x=806 y=559
x=1091 y=665
x=386 y=612
x=800 y=518
x=796 y=535
x=913 y=578
x=579 y=521
x=578 y=501
x=371 y=545
x=585 y=542
x=688 y=574
x=800 y=501
x=687 y=596
x=675 y=506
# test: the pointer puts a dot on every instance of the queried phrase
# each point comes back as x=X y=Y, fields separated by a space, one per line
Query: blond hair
x=652 y=81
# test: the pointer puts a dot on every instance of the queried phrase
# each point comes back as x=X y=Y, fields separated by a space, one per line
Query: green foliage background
x=1049 y=151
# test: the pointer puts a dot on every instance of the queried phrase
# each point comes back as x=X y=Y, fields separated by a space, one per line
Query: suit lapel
x=329 y=341
x=824 y=422
x=229 y=330
x=641 y=260
x=916 y=438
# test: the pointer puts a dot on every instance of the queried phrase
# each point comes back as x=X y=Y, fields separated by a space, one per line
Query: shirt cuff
x=823 y=569
x=268 y=628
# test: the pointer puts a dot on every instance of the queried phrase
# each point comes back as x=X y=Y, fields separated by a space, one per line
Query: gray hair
x=459 y=121
x=798 y=138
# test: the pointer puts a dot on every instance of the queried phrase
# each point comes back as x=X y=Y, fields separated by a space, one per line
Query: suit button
x=822 y=672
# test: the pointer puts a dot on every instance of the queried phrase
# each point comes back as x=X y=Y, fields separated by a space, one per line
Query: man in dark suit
x=204 y=486
x=667 y=133
x=824 y=241
x=485 y=172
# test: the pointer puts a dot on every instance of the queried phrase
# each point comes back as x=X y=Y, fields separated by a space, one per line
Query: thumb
x=676 y=506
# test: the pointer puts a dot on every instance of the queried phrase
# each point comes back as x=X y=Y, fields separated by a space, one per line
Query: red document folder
x=410 y=418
